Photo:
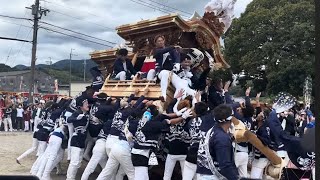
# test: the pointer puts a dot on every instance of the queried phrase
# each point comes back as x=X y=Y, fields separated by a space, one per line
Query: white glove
x=176 y=67
x=95 y=119
x=179 y=113
x=132 y=76
x=187 y=114
x=189 y=75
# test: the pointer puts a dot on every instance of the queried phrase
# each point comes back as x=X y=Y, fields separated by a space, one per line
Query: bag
x=148 y=63
x=153 y=161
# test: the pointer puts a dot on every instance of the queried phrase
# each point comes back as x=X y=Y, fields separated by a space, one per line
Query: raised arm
x=247 y=98
x=172 y=107
x=258 y=108
x=159 y=52
x=185 y=115
x=140 y=103
x=226 y=92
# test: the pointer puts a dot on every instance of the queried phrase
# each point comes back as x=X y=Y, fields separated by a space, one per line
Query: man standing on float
x=167 y=60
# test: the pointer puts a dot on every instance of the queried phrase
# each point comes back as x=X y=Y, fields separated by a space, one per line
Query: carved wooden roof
x=140 y=35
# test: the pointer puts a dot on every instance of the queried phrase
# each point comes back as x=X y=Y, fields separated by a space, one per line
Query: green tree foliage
x=279 y=34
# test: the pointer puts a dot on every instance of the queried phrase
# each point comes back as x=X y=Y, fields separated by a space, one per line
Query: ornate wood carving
x=212 y=21
x=144 y=44
x=203 y=40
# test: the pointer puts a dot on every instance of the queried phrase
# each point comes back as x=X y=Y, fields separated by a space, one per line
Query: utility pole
x=37 y=12
x=84 y=70
x=70 y=71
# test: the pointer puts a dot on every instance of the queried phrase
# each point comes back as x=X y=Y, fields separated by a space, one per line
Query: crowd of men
x=17 y=114
x=132 y=136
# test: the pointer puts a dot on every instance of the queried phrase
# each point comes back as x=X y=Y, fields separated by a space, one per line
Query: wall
x=78 y=87
x=42 y=81
x=64 y=92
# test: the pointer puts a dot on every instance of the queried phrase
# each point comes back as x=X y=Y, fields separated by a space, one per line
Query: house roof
x=13 y=73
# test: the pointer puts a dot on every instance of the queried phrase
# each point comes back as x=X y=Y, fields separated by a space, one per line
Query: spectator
x=14 y=117
x=20 y=117
x=26 y=118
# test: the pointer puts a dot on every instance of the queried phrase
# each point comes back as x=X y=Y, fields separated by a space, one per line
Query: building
x=18 y=81
x=76 y=88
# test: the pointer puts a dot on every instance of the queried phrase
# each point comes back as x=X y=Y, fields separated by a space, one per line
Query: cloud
x=96 y=18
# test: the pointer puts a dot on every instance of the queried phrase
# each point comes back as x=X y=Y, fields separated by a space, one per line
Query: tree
x=279 y=34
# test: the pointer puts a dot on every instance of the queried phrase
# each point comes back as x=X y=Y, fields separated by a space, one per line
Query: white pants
x=6 y=122
x=37 y=120
x=120 y=155
x=314 y=173
x=121 y=75
x=52 y=156
x=176 y=81
x=206 y=177
x=141 y=172
x=71 y=130
x=170 y=164
x=99 y=156
x=75 y=162
x=41 y=147
x=36 y=165
x=151 y=74
x=35 y=143
x=241 y=160
x=189 y=171
x=89 y=145
x=111 y=141
x=258 y=166
x=41 y=150
x=26 y=125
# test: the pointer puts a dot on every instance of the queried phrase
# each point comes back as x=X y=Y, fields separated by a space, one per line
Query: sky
x=96 y=18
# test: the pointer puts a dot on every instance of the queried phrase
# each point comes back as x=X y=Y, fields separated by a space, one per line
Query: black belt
x=241 y=151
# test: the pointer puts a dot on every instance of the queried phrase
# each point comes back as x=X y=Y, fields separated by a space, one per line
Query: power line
x=12 y=17
x=58 y=4
x=20 y=48
x=58 y=32
x=14 y=39
x=157 y=9
x=16 y=24
x=9 y=53
x=149 y=5
x=77 y=18
x=77 y=32
x=185 y=12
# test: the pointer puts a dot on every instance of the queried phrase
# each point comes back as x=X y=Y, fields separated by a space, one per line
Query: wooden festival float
x=201 y=33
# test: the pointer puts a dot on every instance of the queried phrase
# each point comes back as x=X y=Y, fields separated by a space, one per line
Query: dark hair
x=216 y=80
x=136 y=114
x=66 y=104
x=183 y=57
x=80 y=100
x=248 y=111
x=222 y=112
x=200 y=108
x=54 y=106
x=157 y=37
x=153 y=110
x=102 y=96
x=122 y=52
